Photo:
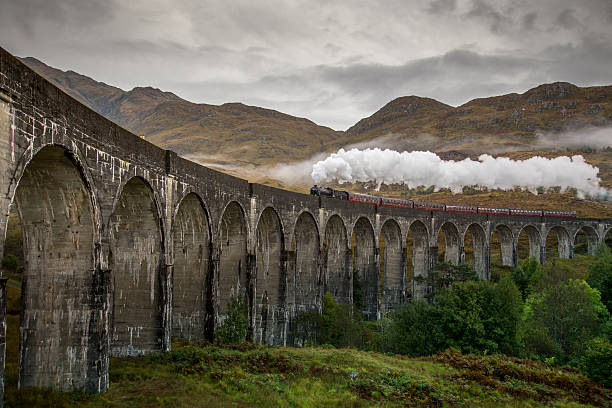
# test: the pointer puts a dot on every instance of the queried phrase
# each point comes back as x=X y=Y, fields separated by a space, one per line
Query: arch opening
x=529 y=243
x=270 y=287
x=56 y=347
x=191 y=279
x=608 y=238
x=365 y=273
x=476 y=247
x=420 y=256
x=136 y=262
x=558 y=243
x=392 y=266
x=448 y=238
x=501 y=246
x=337 y=255
x=307 y=272
x=233 y=271
x=586 y=241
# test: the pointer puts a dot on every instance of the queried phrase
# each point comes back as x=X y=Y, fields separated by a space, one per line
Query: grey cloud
x=529 y=20
x=333 y=62
x=25 y=15
x=497 y=20
x=442 y=6
x=567 y=19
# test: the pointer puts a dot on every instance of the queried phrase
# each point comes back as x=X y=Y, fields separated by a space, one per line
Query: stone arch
x=607 y=238
x=270 y=279
x=592 y=238
x=392 y=266
x=452 y=244
x=59 y=223
x=136 y=261
x=534 y=239
x=479 y=249
x=233 y=269
x=507 y=251
x=564 y=243
x=307 y=274
x=420 y=255
x=191 y=272
x=335 y=247
x=365 y=273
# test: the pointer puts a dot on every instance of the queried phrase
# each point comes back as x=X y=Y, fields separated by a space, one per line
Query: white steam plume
x=420 y=168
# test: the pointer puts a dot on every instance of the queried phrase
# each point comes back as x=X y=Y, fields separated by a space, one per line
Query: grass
x=246 y=375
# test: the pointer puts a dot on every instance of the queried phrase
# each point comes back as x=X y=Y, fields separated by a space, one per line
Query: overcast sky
x=333 y=62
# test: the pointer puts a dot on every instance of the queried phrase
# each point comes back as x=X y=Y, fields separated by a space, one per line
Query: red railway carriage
x=364 y=198
x=461 y=208
x=422 y=205
x=493 y=210
x=396 y=202
x=525 y=212
x=559 y=213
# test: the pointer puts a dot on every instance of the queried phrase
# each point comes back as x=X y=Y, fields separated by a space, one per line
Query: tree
x=340 y=325
x=444 y=275
x=600 y=275
x=234 y=327
x=526 y=275
x=415 y=330
x=481 y=316
x=561 y=320
x=597 y=360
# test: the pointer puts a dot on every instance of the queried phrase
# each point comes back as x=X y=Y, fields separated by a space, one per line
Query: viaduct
x=127 y=244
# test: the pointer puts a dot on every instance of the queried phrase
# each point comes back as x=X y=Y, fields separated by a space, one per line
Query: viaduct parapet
x=127 y=244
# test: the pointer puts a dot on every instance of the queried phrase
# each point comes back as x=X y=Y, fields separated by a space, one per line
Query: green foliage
x=481 y=316
x=596 y=361
x=340 y=324
x=415 y=330
x=559 y=321
x=472 y=316
x=444 y=275
x=358 y=292
x=600 y=275
x=234 y=327
x=10 y=263
x=526 y=275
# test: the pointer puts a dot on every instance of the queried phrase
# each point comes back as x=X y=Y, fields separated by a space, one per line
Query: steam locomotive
x=422 y=205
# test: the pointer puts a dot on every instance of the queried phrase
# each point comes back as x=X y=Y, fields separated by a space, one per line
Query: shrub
x=481 y=316
x=340 y=324
x=443 y=276
x=415 y=330
x=234 y=327
x=526 y=275
x=569 y=314
x=600 y=275
x=597 y=360
x=10 y=262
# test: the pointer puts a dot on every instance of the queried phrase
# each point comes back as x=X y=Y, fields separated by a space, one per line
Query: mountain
x=501 y=123
x=212 y=133
x=219 y=134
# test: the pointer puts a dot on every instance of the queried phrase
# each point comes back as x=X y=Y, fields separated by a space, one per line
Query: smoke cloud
x=424 y=168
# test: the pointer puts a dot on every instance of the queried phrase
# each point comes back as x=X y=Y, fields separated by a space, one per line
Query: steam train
x=422 y=205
